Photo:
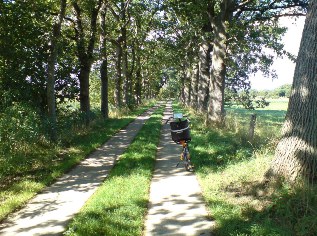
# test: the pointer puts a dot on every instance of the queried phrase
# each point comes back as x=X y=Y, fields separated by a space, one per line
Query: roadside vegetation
x=231 y=169
x=29 y=161
x=120 y=204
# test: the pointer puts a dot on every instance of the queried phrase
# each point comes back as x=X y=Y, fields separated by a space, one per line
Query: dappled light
x=66 y=197
x=87 y=91
x=175 y=205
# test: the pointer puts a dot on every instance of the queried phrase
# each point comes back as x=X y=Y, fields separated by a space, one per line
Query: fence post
x=252 y=126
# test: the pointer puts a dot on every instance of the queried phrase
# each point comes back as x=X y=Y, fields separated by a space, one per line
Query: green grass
x=24 y=176
x=120 y=204
x=230 y=169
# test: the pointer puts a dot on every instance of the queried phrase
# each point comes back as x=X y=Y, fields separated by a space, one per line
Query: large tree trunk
x=219 y=24
x=121 y=55
x=51 y=103
x=104 y=66
x=217 y=76
x=188 y=87
x=296 y=153
x=118 y=78
x=194 y=84
x=125 y=58
x=183 y=80
x=85 y=53
x=84 y=87
x=131 y=90
x=204 y=72
x=138 y=83
x=104 y=89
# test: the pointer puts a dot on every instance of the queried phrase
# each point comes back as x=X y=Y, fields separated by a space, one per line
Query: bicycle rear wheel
x=188 y=165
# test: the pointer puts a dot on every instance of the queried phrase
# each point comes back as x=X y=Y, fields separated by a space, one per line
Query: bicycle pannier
x=180 y=131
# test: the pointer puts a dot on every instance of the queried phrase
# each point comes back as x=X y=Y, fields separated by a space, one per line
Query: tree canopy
x=202 y=51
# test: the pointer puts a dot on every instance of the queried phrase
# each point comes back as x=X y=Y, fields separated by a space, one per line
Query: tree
x=52 y=59
x=85 y=39
x=141 y=25
x=104 y=64
x=296 y=153
x=120 y=43
x=23 y=52
x=26 y=55
x=225 y=14
x=226 y=38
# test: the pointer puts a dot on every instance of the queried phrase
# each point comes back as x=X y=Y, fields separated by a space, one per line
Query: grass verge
x=120 y=204
x=48 y=163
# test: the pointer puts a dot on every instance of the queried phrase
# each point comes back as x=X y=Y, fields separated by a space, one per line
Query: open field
x=230 y=168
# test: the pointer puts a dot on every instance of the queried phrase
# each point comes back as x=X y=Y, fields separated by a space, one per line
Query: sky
x=283 y=66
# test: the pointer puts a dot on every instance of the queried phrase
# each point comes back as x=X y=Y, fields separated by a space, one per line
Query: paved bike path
x=50 y=211
x=176 y=206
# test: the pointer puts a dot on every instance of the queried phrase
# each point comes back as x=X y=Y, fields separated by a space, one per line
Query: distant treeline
x=282 y=91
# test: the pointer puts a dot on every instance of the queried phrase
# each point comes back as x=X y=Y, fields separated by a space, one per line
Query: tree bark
x=296 y=154
x=146 y=84
x=104 y=89
x=183 y=83
x=219 y=24
x=138 y=88
x=121 y=94
x=204 y=66
x=188 y=86
x=104 y=65
x=51 y=103
x=85 y=54
x=84 y=87
x=118 y=78
x=131 y=92
x=194 y=83
x=124 y=56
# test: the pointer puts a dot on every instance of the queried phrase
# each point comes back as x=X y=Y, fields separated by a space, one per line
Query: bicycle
x=181 y=135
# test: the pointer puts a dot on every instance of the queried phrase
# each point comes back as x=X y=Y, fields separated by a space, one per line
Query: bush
x=19 y=124
x=21 y=135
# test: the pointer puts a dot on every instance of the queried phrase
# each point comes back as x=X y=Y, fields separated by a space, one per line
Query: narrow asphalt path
x=50 y=211
x=176 y=206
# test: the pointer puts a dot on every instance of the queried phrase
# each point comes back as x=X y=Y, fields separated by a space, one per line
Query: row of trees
x=49 y=49
x=226 y=41
x=201 y=50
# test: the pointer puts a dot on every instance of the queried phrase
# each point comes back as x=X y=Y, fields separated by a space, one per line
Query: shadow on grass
x=41 y=162
x=215 y=151
x=286 y=213
x=245 y=219
x=264 y=208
